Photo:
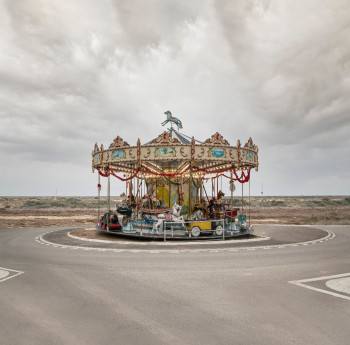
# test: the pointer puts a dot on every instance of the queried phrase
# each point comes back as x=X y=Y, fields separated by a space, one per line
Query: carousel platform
x=178 y=235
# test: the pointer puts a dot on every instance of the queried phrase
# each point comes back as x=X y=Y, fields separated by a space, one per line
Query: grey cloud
x=76 y=73
x=297 y=61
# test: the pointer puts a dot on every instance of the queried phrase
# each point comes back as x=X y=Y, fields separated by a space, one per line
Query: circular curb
x=167 y=243
x=330 y=235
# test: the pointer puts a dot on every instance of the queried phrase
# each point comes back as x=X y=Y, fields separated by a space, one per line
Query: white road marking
x=167 y=243
x=6 y=273
x=301 y=283
x=340 y=284
x=40 y=239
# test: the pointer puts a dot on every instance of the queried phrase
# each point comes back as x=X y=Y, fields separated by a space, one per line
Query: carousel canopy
x=174 y=154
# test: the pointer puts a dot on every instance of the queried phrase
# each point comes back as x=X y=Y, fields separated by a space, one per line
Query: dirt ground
x=22 y=217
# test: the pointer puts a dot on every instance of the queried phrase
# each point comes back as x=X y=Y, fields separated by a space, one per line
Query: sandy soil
x=16 y=217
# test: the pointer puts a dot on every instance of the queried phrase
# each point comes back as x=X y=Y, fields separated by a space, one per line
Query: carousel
x=166 y=185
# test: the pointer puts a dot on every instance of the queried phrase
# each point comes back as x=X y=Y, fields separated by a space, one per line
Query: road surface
x=288 y=289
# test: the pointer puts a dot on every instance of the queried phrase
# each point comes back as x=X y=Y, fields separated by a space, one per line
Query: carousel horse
x=150 y=200
x=198 y=215
x=176 y=210
x=173 y=119
x=172 y=216
x=124 y=198
x=221 y=194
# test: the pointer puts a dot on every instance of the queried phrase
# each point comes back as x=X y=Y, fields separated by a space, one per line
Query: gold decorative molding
x=216 y=139
x=165 y=138
x=96 y=148
x=118 y=142
x=250 y=144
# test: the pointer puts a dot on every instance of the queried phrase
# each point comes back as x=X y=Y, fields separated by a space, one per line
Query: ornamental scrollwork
x=217 y=139
x=131 y=155
x=201 y=154
x=165 y=138
x=118 y=142
x=147 y=154
x=183 y=154
x=96 y=148
x=250 y=144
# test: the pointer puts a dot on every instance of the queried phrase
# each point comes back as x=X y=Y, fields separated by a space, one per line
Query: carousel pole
x=182 y=190
x=108 y=198
x=130 y=191
x=217 y=185
x=242 y=198
x=190 y=192
x=137 y=197
x=231 y=188
x=156 y=188
x=249 y=202
x=109 y=193
x=178 y=191
x=99 y=196
x=169 y=193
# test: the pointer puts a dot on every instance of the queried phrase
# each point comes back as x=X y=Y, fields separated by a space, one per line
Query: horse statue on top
x=172 y=119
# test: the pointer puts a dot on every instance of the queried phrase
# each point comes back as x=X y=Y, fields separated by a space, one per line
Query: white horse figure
x=173 y=119
x=176 y=210
x=172 y=216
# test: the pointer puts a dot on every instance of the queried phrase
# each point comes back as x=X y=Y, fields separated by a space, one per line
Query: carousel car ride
x=110 y=222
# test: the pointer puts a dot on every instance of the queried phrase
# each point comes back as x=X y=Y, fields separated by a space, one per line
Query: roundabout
x=266 y=237
x=65 y=289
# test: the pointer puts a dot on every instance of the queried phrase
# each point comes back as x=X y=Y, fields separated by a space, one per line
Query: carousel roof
x=173 y=154
x=181 y=137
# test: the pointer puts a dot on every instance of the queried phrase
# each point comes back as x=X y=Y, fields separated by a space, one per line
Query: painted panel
x=250 y=156
x=165 y=152
x=118 y=154
x=217 y=152
x=97 y=158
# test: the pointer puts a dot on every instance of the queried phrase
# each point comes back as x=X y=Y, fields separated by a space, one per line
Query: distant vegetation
x=298 y=201
x=59 y=202
x=255 y=202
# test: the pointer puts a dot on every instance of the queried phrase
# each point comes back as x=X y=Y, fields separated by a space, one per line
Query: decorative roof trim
x=165 y=138
x=96 y=148
x=216 y=139
x=250 y=144
x=118 y=142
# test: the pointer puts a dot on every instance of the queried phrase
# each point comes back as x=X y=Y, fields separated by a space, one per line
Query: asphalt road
x=58 y=294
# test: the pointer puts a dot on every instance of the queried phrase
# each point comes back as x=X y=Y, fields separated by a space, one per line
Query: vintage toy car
x=206 y=227
x=110 y=222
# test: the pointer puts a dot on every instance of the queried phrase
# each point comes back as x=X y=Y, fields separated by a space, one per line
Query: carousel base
x=174 y=233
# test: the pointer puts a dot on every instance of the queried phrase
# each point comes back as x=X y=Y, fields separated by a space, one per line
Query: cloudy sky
x=76 y=72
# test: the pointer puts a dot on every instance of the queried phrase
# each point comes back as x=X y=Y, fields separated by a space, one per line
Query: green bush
x=277 y=203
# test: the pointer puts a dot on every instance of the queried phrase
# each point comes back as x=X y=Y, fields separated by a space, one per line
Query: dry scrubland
x=66 y=211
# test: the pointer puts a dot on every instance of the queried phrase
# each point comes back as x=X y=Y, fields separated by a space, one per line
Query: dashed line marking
x=39 y=239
